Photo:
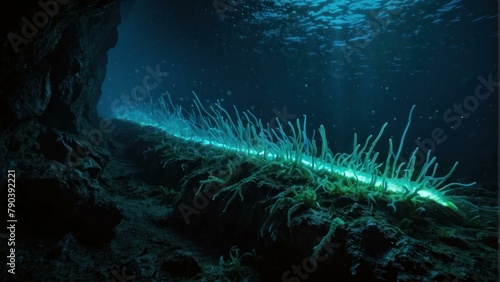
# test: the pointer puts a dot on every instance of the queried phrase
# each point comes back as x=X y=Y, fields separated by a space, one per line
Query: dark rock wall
x=52 y=65
x=53 y=61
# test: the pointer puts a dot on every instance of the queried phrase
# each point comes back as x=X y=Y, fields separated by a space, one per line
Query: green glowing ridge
x=215 y=127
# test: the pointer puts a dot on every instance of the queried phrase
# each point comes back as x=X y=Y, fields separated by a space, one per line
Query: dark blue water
x=350 y=65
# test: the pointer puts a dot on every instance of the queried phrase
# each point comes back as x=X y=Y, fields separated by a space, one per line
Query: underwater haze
x=349 y=65
x=250 y=140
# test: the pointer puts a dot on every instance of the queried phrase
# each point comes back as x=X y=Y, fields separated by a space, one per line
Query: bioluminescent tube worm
x=246 y=134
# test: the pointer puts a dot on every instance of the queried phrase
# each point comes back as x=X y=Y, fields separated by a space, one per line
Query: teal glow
x=215 y=127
